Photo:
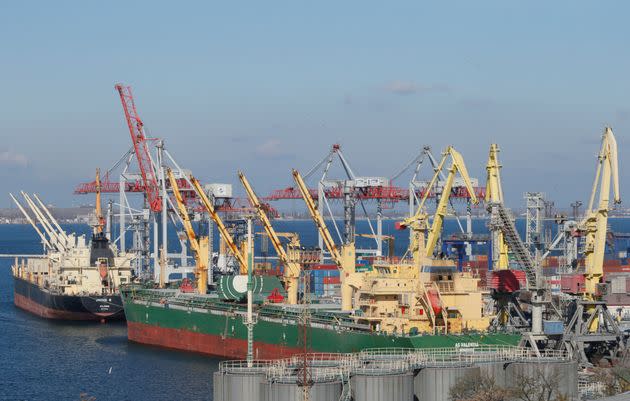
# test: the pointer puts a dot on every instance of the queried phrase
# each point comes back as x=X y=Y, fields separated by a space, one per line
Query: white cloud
x=411 y=88
x=271 y=148
x=10 y=158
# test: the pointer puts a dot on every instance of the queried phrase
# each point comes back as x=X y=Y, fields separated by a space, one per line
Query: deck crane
x=344 y=259
x=199 y=245
x=494 y=194
x=98 y=210
x=227 y=237
x=596 y=220
x=141 y=149
x=418 y=223
x=292 y=266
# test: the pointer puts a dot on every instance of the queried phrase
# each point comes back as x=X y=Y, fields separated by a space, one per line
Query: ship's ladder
x=426 y=304
x=346 y=389
x=426 y=299
x=442 y=309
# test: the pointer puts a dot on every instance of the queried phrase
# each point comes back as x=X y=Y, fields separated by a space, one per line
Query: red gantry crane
x=139 y=140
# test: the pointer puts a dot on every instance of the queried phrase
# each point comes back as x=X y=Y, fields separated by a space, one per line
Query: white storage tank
x=323 y=391
x=435 y=383
x=564 y=372
x=235 y=381
x=382 y=387
x=495 y=370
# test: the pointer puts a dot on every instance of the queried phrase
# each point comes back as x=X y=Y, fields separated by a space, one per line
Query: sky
x=264 y=87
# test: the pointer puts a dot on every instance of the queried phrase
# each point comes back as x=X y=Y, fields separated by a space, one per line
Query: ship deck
x=327 y=316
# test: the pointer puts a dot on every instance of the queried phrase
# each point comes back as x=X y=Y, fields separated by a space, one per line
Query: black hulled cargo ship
x=44 y=303
x=74 y=279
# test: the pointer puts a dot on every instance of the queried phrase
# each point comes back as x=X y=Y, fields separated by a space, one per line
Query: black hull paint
x=42 y=302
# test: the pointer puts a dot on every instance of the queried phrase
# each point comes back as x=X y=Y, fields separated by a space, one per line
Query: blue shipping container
x=553 y=327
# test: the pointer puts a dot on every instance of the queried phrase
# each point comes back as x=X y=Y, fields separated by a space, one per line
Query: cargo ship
x=421 y=302
x=206 y=324
x=75 y=279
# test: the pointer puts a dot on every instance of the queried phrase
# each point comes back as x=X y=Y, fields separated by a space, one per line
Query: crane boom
x=494 y=194
x=253 y=198
x=457 y=165
x=30 y=220
x=98 y=209
x=317 y=218
x=596 y=220
x=140 y=147
x=291 y=267
x=56 y=238
x=198 y=245
x=418 y=221
x=183 y=213
x=345 y=260
x=220 y=226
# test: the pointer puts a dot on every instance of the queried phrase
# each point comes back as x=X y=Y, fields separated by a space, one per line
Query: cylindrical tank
x=374 y=387
x=217 y=386
x=435 y=383
x=495 y=370
x=324 y=391
x=562 y=373
x=237 y=386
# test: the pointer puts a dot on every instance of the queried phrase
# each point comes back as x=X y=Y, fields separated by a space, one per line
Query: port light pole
x=250 y=287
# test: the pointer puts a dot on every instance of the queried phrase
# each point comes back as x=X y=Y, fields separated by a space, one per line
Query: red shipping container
x=612 y=263
x=332 y=280
x=616 y=268
x=508 y=280
x=572 y=283
x=324 y=267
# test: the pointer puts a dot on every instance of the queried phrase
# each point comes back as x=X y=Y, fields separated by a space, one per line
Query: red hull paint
x=231 y=348
x=29 y=305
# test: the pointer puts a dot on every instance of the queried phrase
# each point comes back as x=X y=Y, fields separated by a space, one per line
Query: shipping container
x=324 y=267
x=553 y=327
x=572 y=283
x=507 y=280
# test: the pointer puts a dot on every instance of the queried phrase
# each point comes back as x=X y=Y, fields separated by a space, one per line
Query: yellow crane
x=199 y=245
x=596 y=220
x=225 y=234
x=98 y=210
x=292 y=266
x=418 y=223
x=344 y=259
x=494 y=194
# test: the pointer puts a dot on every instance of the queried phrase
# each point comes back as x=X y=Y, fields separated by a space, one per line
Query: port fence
x=324 y=367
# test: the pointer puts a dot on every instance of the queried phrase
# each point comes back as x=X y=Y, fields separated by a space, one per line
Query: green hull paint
x=277 y=327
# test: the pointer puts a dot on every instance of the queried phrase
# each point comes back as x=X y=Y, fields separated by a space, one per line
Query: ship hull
x=38 y=301
x=222 y=333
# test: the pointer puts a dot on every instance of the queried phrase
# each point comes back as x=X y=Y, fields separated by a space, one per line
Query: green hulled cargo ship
x=208 y=325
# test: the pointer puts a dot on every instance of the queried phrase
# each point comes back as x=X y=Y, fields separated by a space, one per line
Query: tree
x=476 y=386
x=540 y=385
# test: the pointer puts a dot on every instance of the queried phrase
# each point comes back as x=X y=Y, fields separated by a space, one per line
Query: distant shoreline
x=297 y=219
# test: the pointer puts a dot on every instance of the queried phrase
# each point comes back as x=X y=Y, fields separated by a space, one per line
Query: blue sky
x=267 y=86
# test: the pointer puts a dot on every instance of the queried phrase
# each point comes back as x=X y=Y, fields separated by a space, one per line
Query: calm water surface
x=46 y=360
